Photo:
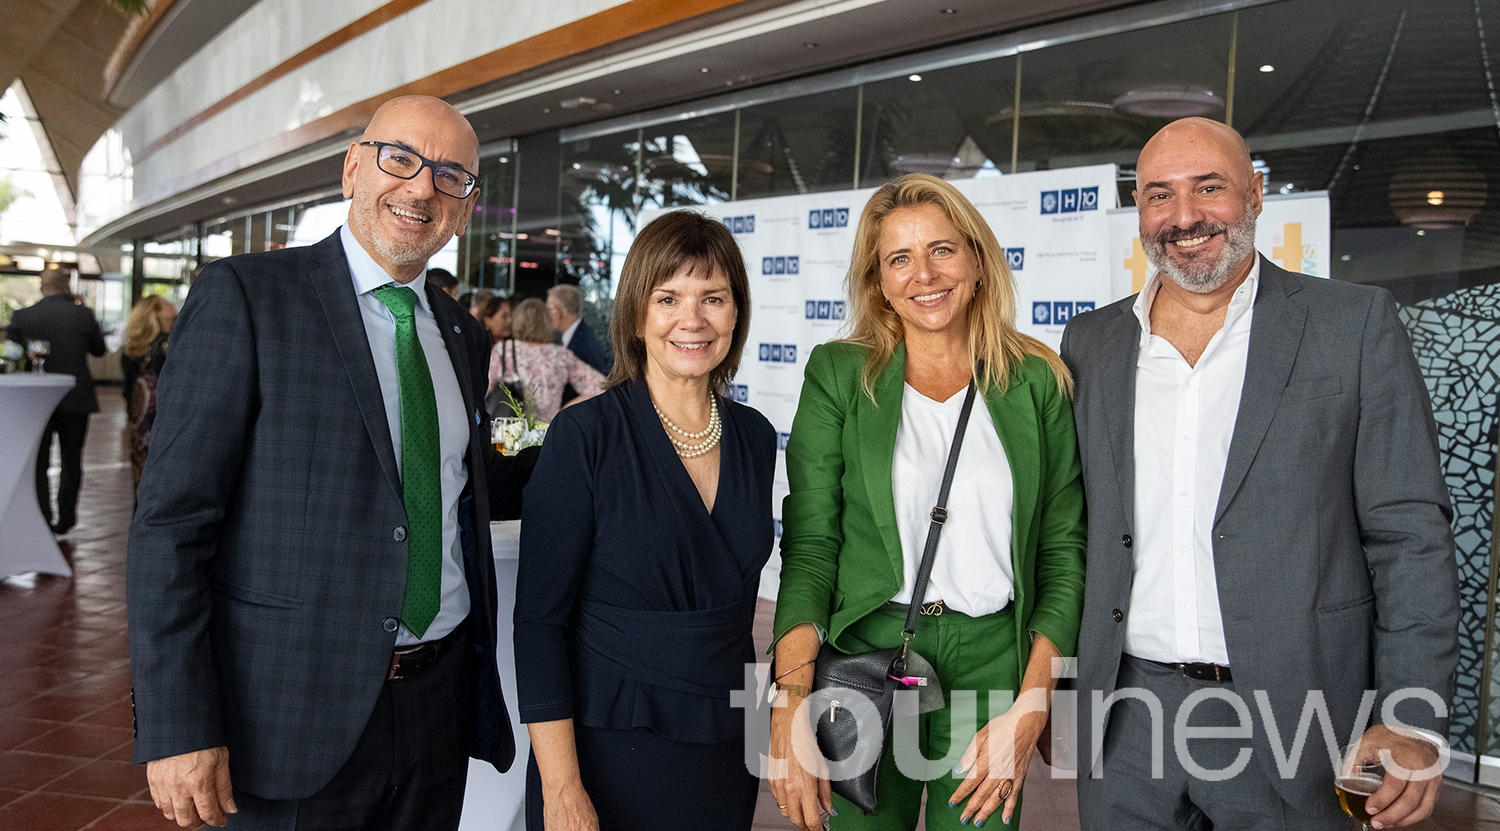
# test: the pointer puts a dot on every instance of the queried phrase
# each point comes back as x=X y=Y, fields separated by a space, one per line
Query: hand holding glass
x=1356 y=782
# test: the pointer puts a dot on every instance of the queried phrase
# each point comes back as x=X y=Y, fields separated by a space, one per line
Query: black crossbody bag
x=878 y=674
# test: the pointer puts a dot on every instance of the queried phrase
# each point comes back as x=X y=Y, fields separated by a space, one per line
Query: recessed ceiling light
x=617 y=92
x=914 y=77
x=950 y=11
x=810 y=45
x=546 y=109
x=704 y=70
x=1265 y=67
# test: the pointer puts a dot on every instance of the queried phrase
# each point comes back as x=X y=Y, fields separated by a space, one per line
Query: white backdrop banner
x=1292 y=231
x=1053 y=225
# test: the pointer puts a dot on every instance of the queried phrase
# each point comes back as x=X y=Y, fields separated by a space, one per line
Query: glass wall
x=486 y=253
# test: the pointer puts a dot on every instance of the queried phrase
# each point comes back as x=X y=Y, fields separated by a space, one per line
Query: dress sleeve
x=557 y=536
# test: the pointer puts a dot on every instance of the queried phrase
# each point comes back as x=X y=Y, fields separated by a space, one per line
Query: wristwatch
x=775 y=689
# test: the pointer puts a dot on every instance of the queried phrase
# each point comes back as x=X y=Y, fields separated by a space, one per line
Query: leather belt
x=413 y=661
x=1200 y=672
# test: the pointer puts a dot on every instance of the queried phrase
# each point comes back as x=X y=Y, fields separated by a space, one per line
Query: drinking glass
x=38 y=350
x=1356 y=782
x=504 y=432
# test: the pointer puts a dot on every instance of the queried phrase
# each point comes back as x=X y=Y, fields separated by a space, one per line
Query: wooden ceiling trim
x=369 y=22
x=600 y=29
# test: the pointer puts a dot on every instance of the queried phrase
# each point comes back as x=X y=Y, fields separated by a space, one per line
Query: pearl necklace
x=706 y=439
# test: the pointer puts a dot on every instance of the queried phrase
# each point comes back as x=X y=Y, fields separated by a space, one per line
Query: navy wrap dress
x=634 y=607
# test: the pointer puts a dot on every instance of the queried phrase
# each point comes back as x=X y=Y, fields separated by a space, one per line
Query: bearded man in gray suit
x=1268 y=527
x=310 y=581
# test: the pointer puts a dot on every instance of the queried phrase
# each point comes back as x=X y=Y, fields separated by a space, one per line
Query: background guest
x=542 y=367
x=646 y=524
x=443 y=279
x=145 y=349
x=477 y=301
x=495 y=314
x=564 y=304
x=74 y=334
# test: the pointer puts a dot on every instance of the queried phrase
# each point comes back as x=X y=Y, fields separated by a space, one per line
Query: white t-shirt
x=971 y=571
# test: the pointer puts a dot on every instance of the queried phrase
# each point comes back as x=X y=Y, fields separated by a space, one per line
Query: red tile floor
x=65 y=685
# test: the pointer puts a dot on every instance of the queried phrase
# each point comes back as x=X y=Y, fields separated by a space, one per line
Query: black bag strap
x=939 y=518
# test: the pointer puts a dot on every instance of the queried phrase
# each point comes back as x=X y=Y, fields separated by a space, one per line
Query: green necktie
x=421 y=482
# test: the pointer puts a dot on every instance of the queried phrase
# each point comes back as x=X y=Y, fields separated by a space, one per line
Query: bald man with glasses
x=310 y=582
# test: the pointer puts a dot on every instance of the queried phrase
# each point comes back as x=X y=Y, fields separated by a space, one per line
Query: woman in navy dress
x=645 y=527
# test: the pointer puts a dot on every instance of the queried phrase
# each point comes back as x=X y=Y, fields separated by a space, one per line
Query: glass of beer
x=1356 y=782
x=504 y=432
x=38 y=350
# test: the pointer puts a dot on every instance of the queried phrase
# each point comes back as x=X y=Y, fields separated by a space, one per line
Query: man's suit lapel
x=458 y=353
x=1275 y=336
x=335 y=289
x=876 y=425
x=1121 y=347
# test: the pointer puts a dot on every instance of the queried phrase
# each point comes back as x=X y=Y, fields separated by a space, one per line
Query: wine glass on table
x=1358 y=779
x=38 y=350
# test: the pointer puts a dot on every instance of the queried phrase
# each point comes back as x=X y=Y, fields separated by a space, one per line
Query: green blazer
x=841 y=553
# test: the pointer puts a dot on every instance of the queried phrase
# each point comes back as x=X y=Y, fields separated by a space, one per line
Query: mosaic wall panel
x=1456 y=338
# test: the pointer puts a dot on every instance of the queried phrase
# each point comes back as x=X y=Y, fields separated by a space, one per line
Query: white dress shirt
x=971 y=570
x=567 y=334
x=1184 y=420
x=453 y=427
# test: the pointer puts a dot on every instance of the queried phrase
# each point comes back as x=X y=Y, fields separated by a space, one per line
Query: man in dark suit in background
x=1268 y=526
x=311 y=587
x=565 y=304
x=73 y=333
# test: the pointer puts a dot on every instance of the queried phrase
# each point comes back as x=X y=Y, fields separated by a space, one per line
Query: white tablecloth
x=494 y=801
x=26 y=543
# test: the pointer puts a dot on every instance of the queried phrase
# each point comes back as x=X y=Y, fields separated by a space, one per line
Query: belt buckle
x=396 y=673
x=934 y=609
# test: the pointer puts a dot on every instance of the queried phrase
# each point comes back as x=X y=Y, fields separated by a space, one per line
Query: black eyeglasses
x=449 y=179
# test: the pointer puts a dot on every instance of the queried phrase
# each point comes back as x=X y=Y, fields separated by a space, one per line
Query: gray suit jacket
x=1332 y=548
x=265 y=572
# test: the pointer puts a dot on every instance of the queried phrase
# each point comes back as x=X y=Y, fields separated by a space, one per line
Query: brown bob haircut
x=672 y=241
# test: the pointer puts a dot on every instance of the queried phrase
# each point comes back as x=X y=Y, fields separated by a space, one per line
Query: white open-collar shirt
x=1184 y=420
x=453 y=428
x=971 y=570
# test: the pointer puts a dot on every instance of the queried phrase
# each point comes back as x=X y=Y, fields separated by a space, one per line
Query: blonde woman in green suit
x=933 y=308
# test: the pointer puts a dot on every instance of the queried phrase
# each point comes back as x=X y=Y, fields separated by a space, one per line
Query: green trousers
x=969 y=654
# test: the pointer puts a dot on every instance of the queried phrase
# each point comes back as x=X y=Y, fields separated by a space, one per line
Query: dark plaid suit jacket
x=265 y=570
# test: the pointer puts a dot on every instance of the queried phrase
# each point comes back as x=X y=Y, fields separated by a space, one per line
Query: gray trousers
x=1127 y=796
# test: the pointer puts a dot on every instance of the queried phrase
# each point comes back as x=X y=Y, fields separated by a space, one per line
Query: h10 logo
x=780 y=265
x=1015 y=258
x=1070 y=201
x=825 y=310
x=740 y=224
x=828 y=218
x=1057 y=313
x=779 y=353
x=739 y=393
x=781 y=439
